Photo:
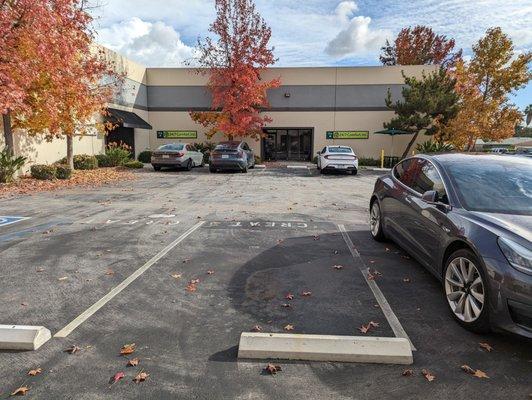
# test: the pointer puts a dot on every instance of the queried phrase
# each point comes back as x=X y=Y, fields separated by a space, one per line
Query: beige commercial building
x=312 y=108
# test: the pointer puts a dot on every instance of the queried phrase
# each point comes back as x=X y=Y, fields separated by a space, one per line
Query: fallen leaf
x=475 y=372
x=335 y=252
x=279 y=241
x=256 y=328
x=306 y=294
x=110 y=272
x=316 y=237
x=128 y=349
x=21 y=391
x=365 y=328
x=486 y=346
x=210 y=272
x=72 y=349
x=133 y=362
x=176 y=276
x=406 y=257
x=286 y=305
x=272 y=369
x=64 y=278
x=289 y=327
x=428 y=376
x=338 y=267
x=289 y=296
x=141 y=377
x=40 y=270
x=33 y=372
x=24 y=304
x=191 y=287
x=406 y=280
x=116 y=377
x=194 y=281
x=186 y=259
x=408 y=372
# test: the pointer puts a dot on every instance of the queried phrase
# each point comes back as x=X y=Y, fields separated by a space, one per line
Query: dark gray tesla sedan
x=468 y=219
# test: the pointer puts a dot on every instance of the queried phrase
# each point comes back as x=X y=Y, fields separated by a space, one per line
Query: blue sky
x=309 y=32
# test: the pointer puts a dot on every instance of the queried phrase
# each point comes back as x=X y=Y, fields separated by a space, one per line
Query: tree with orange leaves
x=484 y=86
x=420 y=45
x=234 y=63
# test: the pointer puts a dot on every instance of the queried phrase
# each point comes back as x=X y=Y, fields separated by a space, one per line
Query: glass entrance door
x=287 y=144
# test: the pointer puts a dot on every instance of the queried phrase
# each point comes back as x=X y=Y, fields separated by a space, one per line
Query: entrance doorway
x=121 y=135
x=292 y=144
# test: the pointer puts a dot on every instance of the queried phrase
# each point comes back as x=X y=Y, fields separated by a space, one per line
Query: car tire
x=354 y=172
x=375 y=222
x=245 y=169
x=189 y=164
x=212 y=169
x=156 y=167
x=472 y=312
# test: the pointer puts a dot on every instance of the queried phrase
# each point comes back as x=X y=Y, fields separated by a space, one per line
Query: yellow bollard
x=382 y=158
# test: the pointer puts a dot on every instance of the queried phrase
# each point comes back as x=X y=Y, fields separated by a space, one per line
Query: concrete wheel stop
x=23 y=337
x=354 y=349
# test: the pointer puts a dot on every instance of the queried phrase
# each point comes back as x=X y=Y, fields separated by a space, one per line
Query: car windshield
x=498 y=187
x=227 y=146
x=340 y=150
x=166 y=147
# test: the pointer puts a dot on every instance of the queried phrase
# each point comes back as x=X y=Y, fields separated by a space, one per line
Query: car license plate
x=166 y=156
x=342 y=166
x=225 y=156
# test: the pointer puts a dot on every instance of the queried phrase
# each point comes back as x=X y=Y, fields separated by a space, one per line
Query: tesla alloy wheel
x=465 y=290
x=375 y=222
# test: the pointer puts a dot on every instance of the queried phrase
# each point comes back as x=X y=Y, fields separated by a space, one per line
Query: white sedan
x=178 y=155
x=337 y=158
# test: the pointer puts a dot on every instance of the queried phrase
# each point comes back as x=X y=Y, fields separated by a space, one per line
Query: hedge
x=43 y=171
x=145 y=156
x=63 y=171
x=133 y=164
x=82 y=161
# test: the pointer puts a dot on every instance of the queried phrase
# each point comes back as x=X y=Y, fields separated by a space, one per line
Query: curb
x=23 y=337
x=359 y=349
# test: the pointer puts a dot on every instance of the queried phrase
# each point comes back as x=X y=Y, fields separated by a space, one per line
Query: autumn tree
x=484 y=85
x=426 y=105
x=234 y=62
x=420 y=46
x=528 y=114
x=24 y=49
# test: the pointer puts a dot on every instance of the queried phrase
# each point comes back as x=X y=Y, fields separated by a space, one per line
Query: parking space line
x=392 y=319
x=125 y=283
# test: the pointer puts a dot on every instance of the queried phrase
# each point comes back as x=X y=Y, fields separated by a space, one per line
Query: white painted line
x=260 y=166
x=392 y=319
x=23 y=337
x=297 y=166
x=125 y=283
x=361 y=349
x=5 y=219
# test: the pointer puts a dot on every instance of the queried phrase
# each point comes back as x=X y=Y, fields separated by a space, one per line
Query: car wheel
x=245 y=169
x=212 y=169
x=189 y=165
x=375 y=222
x=465 y=287
x=354 y=172
x=156 y=167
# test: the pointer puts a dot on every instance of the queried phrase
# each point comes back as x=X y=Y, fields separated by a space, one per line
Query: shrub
x=145 y=156
x=43 y=171
x=206 y=148
x=9 y=165
x=369 y=162
x=315 y=160
x=118 y=154
x=258 y=160
x=434 y=147
x=103 y=160
x=81 y=161
x=63 y=171
x=133 y=164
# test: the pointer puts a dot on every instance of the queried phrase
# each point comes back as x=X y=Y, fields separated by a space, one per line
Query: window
x=430 y=179
x=324 y=150
x=245 y=146
x=171 y=147
x=345 y=150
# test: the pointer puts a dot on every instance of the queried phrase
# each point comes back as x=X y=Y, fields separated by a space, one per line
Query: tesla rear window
x=340 y=150
x=502 y=187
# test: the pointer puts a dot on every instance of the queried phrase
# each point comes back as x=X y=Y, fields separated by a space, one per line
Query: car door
x=429 y=224
x=396 y=205
x=320 y=156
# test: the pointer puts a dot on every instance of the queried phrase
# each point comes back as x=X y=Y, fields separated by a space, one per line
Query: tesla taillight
x=179 y=154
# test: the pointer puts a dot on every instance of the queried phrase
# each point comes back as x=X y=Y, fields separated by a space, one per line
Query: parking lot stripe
x=396 y=326
x=125 y=283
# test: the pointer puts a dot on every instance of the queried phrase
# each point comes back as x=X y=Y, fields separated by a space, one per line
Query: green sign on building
x=347 y=135
x=177 y=134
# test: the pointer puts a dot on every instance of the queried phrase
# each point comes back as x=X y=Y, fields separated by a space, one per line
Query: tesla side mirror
x=318 y=153
x=430 y=196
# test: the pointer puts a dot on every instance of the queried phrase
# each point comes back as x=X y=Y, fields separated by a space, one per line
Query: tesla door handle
x=407 y=199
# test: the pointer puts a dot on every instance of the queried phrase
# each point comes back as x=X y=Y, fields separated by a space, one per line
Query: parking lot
x=181 y=263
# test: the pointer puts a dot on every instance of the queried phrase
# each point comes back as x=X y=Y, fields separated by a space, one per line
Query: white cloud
x=148 y=43
x=357 y=37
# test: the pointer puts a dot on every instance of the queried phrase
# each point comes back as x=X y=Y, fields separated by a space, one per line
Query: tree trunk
x=8 y=133
x=410 y=144
x=70 y=151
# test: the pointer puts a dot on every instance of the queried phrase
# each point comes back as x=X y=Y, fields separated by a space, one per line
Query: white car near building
x=180 y=155
x=337 y=158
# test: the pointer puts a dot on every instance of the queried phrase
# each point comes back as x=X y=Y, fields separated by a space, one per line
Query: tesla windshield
x=498 y=187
